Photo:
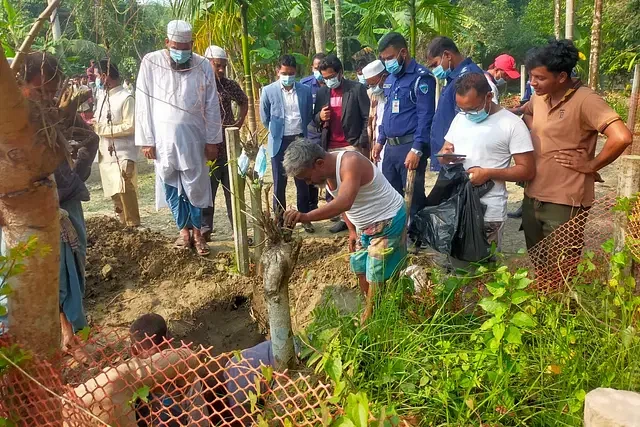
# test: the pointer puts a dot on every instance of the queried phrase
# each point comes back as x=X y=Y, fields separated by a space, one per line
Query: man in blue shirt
x=446 y=63
x=410 y=91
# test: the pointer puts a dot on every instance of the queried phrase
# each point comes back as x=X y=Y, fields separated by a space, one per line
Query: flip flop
x=182 y=243
x=200 y=244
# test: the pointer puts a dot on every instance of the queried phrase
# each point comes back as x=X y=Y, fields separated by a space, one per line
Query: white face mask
x=333 y=82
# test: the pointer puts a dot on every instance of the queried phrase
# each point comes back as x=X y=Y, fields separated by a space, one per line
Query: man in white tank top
x=374 y=211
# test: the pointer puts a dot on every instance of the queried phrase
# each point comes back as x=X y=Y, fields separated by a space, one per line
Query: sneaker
x=336 y=219
x=516 y=214
x=339 y=227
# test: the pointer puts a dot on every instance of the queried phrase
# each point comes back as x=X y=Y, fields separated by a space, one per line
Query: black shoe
x=516 y=214
x=308 y=227
x=339 y=227
x=336 y=219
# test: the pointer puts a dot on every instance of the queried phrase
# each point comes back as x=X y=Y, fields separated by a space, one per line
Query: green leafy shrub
x=522 y=358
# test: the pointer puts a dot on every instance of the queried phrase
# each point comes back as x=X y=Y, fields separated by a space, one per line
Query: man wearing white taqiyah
x=375 y=75
x=178 y=125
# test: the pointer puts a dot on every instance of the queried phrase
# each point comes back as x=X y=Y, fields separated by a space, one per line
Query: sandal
x=200 y=244
x=183 y=242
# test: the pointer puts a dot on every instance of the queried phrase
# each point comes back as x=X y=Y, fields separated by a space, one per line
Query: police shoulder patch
x=424 y=87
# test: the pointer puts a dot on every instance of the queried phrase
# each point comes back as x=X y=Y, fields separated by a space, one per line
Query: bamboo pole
x=33 y=33
x=633 y=111
x=238 y=206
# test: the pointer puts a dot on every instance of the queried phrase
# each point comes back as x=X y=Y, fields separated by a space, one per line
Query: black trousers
x=307 y=195
x=219 y=175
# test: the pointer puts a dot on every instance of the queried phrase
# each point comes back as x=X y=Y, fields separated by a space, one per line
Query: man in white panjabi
x=117 y=153
x=178 y=125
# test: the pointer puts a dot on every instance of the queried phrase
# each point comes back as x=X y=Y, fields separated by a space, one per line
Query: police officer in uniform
x=410 y=91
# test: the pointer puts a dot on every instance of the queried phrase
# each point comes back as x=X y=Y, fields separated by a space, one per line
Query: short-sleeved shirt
x=573 y=123
x=336 y=133
x=491 y=144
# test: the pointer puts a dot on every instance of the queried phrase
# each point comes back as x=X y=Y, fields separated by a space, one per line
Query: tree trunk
x=29 y=208
x=413 y=30
x=55 y=23
x=318 y=25
x=556 y=19
x=339 y=40
x=246 y=61
x=278 y=261
x=568 y=27
x=594 y=56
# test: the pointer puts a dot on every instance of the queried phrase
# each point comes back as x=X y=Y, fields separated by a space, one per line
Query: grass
x=520 y=359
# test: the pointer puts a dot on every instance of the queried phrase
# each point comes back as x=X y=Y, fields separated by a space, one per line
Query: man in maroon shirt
x=342 y=112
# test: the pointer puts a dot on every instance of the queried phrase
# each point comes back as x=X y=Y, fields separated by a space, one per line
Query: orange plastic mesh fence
x=171 y=384
x=557 y=256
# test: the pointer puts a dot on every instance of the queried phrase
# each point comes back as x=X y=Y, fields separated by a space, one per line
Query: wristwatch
x=416 y=152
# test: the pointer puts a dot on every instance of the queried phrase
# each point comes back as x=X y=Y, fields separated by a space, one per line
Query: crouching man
x=375 y=212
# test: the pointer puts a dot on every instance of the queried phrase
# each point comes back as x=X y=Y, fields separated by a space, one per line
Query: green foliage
x=142 y=393
x=521 y=358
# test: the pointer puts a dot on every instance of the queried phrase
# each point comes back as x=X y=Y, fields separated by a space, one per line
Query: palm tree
x=318 y=25
x=339 y=40
x=594 y=56
x=556 y=18
x=409 y=17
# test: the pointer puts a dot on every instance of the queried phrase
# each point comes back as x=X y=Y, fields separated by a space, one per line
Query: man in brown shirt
x=566 y=120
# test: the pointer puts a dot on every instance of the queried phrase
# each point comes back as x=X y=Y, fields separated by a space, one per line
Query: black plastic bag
x=470 y=241
x=452 y=222
x=437 y=223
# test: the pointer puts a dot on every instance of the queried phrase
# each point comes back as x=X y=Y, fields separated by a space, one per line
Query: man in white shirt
x=489 y=137
x=286 y=109
x=117 y=153
x=178 y=125
x=376 y=74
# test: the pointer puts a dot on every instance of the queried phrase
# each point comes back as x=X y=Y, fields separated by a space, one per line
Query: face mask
x=361 y=79
x=180 y=56
x=501 y=82
x=393 y=66
x=333 y=82
x=377 y=90
x=99 y=83
x=440 y=73
x=261 y=162
x=318 y=75
x=478 y=116
x=287 y=80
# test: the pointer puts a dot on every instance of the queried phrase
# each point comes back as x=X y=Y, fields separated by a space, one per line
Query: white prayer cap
x=215 y=52
x=372 y=69
x=179 y=32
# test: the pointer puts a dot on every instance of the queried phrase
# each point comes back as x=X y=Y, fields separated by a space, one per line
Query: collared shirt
x=292 y=117
x=571 y=124
x=415 y=104
x=446 y=111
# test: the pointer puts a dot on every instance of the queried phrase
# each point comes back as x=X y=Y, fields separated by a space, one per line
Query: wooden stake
x=238 y=206
x=258 y=233
x=628 y=186
x=633 y=110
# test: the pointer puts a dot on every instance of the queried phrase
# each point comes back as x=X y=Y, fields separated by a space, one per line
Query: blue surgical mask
x=392 y=66
x=318 y=75
x=333 y=82
x=99 y=83
x=361 y=79
x=440 y=73
x=501 y=82
x=478 y=116
x=180 y=56
x=287 y=80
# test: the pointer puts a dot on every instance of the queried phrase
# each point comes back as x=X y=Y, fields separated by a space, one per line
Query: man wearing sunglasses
x=488 y=136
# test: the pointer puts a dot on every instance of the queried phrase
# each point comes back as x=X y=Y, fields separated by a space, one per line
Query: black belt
x=300 y=135
x=400 y=140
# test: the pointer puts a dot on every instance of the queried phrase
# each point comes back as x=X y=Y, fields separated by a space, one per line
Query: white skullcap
x=373 y=69
x=179 y=32
x=215 y=52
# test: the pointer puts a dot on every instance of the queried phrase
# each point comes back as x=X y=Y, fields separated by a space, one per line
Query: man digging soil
x=374 y=211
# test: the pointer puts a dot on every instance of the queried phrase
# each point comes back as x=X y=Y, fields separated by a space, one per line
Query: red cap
x=507 y=64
